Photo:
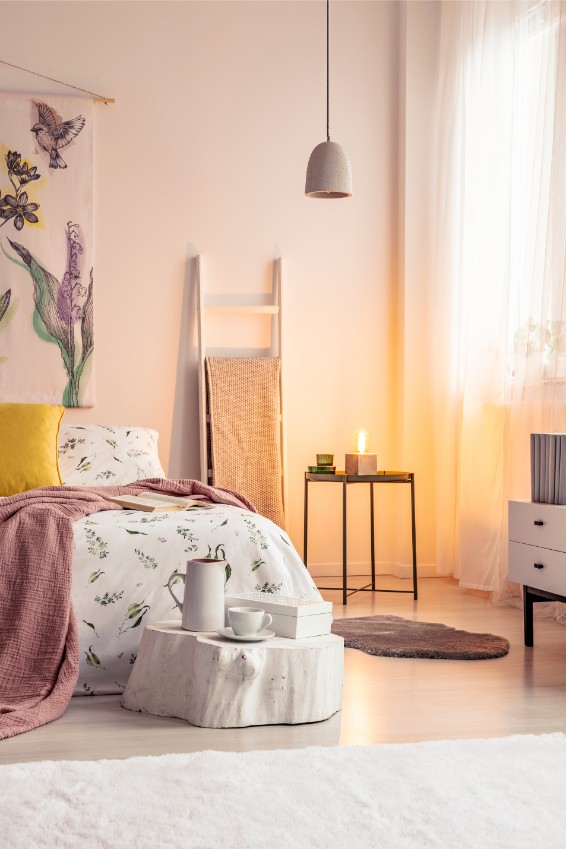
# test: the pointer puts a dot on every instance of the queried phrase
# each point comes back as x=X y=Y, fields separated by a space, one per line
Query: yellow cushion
x=28 y=446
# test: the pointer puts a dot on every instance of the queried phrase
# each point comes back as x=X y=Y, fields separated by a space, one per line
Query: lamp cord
x=327 y=70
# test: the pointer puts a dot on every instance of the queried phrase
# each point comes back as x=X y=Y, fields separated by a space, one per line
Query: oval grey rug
x=393 y=636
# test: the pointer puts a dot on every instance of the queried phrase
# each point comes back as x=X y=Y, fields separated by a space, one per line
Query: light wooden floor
x=385 y=699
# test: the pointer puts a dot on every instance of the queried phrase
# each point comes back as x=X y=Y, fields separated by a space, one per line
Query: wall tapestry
x=46 y=275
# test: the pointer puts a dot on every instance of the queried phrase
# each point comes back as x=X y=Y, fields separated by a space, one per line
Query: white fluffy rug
x=506 y=793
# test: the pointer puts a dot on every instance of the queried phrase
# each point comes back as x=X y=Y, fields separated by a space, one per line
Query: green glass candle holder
x=324 y=459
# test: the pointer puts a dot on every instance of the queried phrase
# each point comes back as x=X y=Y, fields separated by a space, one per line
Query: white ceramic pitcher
x=202 y=608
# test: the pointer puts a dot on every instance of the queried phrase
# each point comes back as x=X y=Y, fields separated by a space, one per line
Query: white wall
x=218 y=106
x=419 y=41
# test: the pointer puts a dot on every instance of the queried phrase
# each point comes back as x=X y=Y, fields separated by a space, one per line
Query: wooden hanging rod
x=97 y=98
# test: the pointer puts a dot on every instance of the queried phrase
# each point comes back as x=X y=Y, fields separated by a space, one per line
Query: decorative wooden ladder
x=261 y=305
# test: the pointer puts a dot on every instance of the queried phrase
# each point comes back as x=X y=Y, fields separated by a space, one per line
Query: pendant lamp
x=328 y=171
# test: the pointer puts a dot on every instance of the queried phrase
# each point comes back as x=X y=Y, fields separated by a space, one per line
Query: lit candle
x=361 y=463
x=362 y=441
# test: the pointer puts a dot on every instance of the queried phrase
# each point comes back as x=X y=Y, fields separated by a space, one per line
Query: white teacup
x=246 y=621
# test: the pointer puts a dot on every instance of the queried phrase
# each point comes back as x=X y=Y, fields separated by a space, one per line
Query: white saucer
x=251 y=638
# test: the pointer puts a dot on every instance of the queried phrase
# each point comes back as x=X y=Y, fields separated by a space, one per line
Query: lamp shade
x=328 y=172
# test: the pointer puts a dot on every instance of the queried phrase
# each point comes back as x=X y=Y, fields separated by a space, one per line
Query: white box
x=294 y=618
x=296 y=627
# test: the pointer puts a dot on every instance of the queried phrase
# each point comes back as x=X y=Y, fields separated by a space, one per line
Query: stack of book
x=548 y=468
x=156 y=502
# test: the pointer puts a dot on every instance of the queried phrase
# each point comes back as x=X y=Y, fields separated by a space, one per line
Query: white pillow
x=98 y=455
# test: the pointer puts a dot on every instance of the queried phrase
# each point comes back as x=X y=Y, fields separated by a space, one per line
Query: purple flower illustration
x=16 y=207
x=71 y=292
x=13 y=161
x=27 y=174
x=65 y=309
x=19 y=209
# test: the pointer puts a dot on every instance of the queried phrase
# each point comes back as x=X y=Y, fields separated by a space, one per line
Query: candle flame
x=362 y=441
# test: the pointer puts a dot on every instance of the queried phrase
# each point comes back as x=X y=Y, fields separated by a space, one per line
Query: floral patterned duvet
x=123 y=560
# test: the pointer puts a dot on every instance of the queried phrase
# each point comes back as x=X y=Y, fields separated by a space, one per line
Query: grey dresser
x=537 y=554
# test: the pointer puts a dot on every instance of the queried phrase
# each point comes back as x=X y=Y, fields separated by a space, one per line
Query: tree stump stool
x=215 y=682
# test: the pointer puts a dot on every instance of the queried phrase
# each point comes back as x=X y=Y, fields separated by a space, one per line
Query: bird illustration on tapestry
x=52 y=134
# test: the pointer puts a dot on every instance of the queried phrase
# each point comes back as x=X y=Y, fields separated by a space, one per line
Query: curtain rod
x=97 y=98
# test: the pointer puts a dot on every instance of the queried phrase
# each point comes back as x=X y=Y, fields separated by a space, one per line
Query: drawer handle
x=539 y=522
x=538 y=565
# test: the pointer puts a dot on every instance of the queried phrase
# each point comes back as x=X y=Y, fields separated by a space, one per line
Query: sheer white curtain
x=500 y=270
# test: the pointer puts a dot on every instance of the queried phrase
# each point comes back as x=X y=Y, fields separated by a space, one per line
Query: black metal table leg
x=306 y=520
x=372 y=535
x=414 y=537
x=344 y=545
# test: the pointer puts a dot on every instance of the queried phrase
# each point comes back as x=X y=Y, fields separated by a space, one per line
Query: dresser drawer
x=522 y=569
x=538 y=524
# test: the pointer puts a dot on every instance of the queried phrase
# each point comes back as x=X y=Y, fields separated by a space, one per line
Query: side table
x=346 y=480
x=214 y=682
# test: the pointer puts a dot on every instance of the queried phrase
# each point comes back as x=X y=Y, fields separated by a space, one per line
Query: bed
x=80 y=579
x=123 y=559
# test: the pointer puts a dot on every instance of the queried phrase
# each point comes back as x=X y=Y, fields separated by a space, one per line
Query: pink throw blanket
x=39 y=648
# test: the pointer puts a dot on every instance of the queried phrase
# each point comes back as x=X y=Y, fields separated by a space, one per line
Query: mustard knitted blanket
x=244 y=404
